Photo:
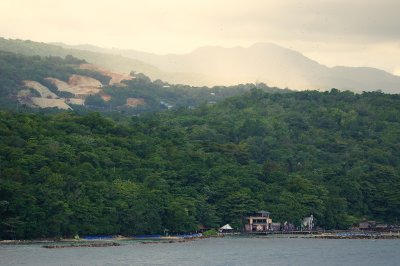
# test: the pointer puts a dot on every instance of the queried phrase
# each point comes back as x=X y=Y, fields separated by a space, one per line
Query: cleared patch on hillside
x=75 y=101
x=105 y=96
x=49 y=103
x=43 y=91
x=61 y=85
x=84 y=81
x=134 y=102
x=48 y=99
x=116 y=78
x=24 y=93
x=80 y=86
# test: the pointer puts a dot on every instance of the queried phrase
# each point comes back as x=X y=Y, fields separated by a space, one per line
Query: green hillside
x=15 y=68
x=113 y=62
x=334 y=155
x=157 y=95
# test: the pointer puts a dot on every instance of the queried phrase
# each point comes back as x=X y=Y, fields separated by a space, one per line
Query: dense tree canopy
x=334 y=155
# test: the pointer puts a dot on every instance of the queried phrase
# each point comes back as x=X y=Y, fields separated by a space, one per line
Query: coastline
x=97 y=242
x=116 y=240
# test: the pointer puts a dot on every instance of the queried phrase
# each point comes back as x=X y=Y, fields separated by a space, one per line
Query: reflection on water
x=220 y=251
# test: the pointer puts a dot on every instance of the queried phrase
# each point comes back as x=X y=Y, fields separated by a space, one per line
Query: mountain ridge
x=266 y=62
x=214 y=65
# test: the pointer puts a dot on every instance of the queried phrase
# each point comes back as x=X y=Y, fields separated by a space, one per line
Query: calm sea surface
x=220 y=251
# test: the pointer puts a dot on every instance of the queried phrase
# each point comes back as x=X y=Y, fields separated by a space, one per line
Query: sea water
x=215 y=251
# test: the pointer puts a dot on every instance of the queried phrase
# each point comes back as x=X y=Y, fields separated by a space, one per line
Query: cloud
x=284 y=19
x=313 y=20
x=326 y=29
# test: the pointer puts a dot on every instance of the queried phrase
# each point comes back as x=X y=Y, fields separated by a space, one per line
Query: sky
x=332 y=32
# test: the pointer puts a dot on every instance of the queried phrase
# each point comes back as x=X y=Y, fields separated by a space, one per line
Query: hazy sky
x=333 y=32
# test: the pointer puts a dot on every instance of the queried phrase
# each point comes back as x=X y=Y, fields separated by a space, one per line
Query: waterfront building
x=258 y=222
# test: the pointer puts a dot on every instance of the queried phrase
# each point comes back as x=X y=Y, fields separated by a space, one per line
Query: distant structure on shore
x=366 y=225
x=226 y=229
x=261 y=222
x=308 y=223
x=258 y=222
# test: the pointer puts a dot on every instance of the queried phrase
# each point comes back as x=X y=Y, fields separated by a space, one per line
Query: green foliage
x=334 y=155
x=95 y=101
x=211 y=232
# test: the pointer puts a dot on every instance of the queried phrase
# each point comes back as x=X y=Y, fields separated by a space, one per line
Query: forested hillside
x=152 y=95
x=334 y=155
x=15 y=68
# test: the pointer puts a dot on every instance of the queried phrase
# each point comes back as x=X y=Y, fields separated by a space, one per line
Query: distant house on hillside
x=258 y=222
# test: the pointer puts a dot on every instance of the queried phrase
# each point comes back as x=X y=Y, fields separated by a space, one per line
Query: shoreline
x=177 y=239
x=112 y=241
x=331 y=235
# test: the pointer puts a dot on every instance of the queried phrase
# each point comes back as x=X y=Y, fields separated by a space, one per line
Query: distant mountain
x=113 y=62
x=209 y=66
x=93 y=55
x=266 y=62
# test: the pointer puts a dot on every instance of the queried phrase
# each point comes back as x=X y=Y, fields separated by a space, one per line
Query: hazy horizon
x=356 y=33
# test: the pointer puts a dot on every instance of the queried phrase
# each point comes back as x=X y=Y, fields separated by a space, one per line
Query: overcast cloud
x=353 y=32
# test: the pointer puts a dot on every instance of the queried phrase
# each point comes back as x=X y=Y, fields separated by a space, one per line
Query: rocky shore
x=118 y=240
x=81 y=245
x=358 y=236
